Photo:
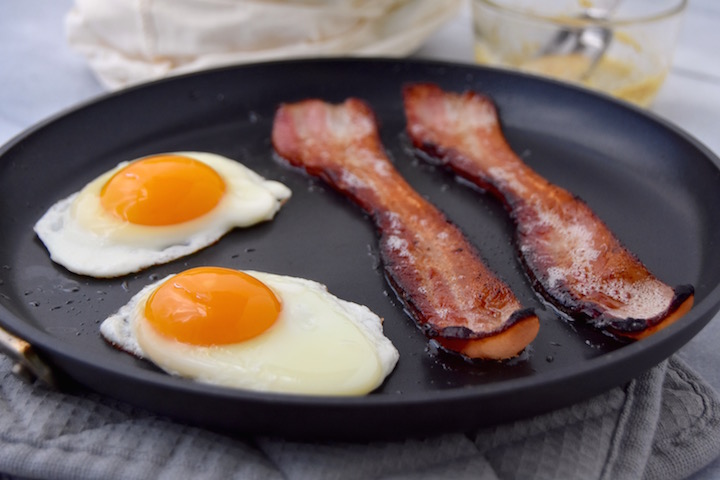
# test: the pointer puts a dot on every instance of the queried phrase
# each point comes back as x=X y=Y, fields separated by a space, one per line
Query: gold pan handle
x=28 y=366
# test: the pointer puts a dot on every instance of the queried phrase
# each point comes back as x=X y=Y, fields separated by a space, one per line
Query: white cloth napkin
x=664 y=425
x=131 y=41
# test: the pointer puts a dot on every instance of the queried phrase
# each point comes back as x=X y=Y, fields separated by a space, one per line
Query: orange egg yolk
x=212 y=306
x=162 y=190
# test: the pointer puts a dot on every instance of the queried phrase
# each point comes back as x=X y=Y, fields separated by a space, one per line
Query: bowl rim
x=674 y=9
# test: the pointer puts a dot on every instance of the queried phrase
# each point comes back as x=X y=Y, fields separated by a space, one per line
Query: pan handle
x=28 y=366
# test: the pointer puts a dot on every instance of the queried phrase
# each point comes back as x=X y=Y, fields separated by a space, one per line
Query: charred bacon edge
x=633 y=326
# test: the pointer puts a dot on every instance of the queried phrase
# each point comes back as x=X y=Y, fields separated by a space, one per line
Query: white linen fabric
x=131 y=41
x=665 y=425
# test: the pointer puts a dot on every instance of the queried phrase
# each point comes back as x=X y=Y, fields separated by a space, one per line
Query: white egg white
x=319 y=345
x=83 y=237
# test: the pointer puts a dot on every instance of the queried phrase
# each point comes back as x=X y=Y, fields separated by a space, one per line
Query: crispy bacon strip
x=434 y=270
x=571 y=255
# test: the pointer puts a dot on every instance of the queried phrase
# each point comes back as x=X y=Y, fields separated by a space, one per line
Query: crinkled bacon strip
x=435 y=271
x=571 y=255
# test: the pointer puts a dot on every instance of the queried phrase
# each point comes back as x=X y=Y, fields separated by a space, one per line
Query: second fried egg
x=256 y=331
x=154 y=210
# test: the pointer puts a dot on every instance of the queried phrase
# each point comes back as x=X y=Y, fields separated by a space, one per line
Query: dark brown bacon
x=573 y=258
x=434 y=270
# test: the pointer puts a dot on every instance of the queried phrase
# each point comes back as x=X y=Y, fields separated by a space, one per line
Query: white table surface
x=40 y=76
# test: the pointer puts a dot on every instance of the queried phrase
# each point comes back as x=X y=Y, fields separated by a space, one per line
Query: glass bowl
x=623 y=48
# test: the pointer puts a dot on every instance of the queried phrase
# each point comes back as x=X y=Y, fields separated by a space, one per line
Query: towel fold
x=131 y=41
x=663 y=425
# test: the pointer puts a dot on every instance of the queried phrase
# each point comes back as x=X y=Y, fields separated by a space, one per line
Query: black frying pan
x=656 y=188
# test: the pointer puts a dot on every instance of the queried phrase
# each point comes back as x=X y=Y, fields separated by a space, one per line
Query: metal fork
x=592 y=41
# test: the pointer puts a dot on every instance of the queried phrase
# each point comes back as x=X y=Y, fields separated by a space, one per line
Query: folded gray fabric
x=663 y=425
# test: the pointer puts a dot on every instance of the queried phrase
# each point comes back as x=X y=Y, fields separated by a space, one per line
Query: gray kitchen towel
x=663 y=425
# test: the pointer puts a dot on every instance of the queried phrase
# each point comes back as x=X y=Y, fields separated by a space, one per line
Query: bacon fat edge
x=573 y=259
x=432 y=267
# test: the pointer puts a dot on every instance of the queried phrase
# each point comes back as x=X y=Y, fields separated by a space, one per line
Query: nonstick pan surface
x=657 y=189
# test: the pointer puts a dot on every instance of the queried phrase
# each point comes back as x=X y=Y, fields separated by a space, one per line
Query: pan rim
x=700 y=315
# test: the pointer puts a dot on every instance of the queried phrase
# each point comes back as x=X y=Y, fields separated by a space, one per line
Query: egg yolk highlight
x=212 y=306
x=162 y=190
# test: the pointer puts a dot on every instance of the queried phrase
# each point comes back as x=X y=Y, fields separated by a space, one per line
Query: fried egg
x=256 y=331
x=155 y=209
